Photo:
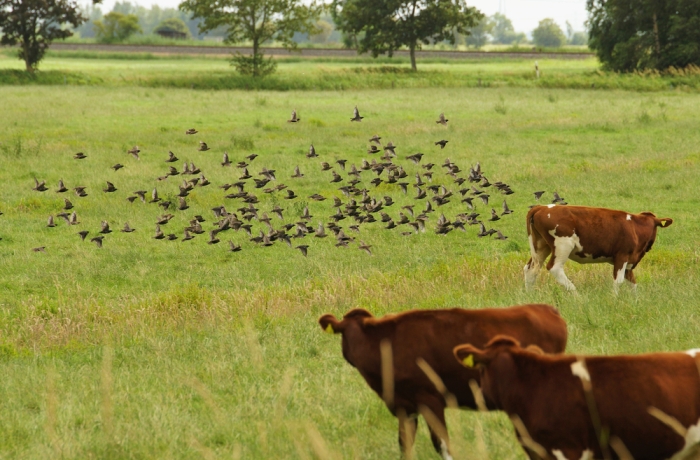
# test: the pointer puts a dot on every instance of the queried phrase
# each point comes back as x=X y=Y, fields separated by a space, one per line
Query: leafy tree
x=579 y=39
x=34 y=24
x=390 y=24
x=503 y=31
x=325 y=30
x=548 y=34
x=116 y=27
x=632 y=35
x=479 y=34
x=174 y=25
x=257 y=21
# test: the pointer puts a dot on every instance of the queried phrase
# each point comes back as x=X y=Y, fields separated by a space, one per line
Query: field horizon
x=169 y=349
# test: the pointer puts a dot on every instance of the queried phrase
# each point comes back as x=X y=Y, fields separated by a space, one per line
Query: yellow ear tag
x=329 y=329
x=468 y=361
x=663 y=223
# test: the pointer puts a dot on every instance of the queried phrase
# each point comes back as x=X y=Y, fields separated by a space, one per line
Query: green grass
x=156 y=349
x=85 y=68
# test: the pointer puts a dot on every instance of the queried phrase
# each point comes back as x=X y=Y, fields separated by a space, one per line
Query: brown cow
x=588 y=235
x=431 y=335
x=632 y=399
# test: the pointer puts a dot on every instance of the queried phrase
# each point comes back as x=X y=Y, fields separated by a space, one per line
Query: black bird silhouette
x=83 y=234
x=191 y=131
x=154 y=196
x=442 y=120
x=80 y=191
x=500 y=236
x=98 y=240
x=159 y=233
x=171 y=157
x=312 y=152
x=297 y=173
x=134 y=151
x=373 y=149
x=50 y=222
x=110 y=188
x=290 y=195
x=294 y=118
x=127 y=228
x=442 y=143
x=376 y=139
x=203 y=147
x=365 y=247
x=40 y=186
x=342 y=164
x=105 y=227
x=187 y=236
x=68 y=205
x=225 y=161
x=494 y=215
x=484 y=198
x=212 y=237
x=183 y=204
x=61 y=187
x=356 y=115
x=234 y=247
x=39 y=249
x=252 y=156
x=506 y=210
x=415 y=158
x=117 y=166
x=538 y=195
x=304 y=248
x=79 y=156
x=558 y=199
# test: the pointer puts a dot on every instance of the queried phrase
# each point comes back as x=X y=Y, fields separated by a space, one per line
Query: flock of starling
x=360 y=208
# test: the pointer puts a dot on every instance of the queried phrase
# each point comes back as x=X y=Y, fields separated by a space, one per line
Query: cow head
x=470 y=356
x=665 y=222
x=330 y=323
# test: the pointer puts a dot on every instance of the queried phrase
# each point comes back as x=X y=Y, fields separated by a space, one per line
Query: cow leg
x=539 y=251
x=629 y=276
x=563 y=246
x=619 y=272
x=434 y=415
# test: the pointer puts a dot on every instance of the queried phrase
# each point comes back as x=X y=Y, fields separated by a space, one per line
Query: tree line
x=627 y=35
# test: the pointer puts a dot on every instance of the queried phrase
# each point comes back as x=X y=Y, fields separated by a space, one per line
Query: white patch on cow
x=620 y=277
x=579 y=370
x=563 y=247
x=629 y=217
x=550 y=206
x=585 y=455
x=693 y=352
x=443 y=450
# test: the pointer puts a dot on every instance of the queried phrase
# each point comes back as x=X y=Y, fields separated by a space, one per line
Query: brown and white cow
x=589 y=235
x=633 y=398
x=431 y=335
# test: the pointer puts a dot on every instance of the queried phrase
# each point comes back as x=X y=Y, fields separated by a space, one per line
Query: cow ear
x=665 y=222
x=534 y=349
x=357 y=313
x=470 y=356
x=330 y=324
x=502 y=340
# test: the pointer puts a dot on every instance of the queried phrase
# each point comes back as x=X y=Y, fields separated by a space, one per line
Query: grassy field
x=171 y=349
x=82 y=68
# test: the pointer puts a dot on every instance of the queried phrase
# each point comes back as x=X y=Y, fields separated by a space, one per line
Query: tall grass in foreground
x=150 y=349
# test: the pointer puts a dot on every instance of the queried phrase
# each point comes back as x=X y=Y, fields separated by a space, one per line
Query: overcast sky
x=525 y=14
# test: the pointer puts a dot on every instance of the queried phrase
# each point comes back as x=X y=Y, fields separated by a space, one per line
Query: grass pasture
x=160 y=349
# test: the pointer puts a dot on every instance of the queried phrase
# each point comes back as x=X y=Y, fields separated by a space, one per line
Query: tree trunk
x=27 y=58
x=656 y=37
x=413 y=56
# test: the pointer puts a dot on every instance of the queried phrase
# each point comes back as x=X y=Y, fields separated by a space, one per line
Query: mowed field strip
x=167 y=349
